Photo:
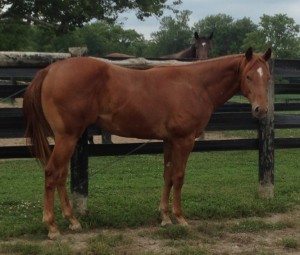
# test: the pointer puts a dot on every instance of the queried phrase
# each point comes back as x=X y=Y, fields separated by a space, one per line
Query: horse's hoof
x=166 y=223
x=54 y=235
x=181 y=221
x=186 y=225
x=76 y=226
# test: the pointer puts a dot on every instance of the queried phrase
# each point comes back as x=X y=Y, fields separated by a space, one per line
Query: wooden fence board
x=95 y=150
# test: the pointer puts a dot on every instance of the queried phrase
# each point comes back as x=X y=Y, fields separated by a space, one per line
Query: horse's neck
x=187 y=53
x=222 y=79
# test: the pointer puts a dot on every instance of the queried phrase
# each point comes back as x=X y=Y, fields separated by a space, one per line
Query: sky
x=237 y=9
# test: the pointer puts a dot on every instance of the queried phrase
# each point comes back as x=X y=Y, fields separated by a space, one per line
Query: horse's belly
x=132 y=127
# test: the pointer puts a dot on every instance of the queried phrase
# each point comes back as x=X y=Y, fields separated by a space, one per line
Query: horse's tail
x=37 y=128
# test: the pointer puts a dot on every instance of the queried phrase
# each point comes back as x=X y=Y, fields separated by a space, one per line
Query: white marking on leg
x=203 y=44
x=260 y=72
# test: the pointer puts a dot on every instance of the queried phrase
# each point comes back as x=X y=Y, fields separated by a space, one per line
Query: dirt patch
x=211 y=237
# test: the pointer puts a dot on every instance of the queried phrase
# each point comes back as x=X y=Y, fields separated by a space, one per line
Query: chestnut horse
x=199 y=50
x=171 y=103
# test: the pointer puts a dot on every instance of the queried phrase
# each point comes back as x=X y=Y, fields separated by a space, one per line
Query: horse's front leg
x=164 y=204
x=176 y=153
x=180 y=153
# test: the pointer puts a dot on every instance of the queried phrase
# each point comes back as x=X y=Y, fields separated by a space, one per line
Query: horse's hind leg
x=65 y=205
x=55 y=177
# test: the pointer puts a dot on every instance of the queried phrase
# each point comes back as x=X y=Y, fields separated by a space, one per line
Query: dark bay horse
x=171 y=103
x=199 y=50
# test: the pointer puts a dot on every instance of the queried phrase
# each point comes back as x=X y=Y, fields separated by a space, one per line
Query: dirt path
x=277 y=234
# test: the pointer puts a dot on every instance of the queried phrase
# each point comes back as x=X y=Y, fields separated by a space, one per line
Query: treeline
x=230 y=36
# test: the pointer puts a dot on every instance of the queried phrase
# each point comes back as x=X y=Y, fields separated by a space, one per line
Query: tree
x=66 y=15
x=228 y=34
x=15 y=36
x=279 y=32
x=102 y=38
x=174 y=35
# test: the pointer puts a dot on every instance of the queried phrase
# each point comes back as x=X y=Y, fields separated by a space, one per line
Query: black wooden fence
x=231 y=116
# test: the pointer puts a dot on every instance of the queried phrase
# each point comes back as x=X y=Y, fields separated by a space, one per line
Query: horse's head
x=254 y=81
x=202 y=46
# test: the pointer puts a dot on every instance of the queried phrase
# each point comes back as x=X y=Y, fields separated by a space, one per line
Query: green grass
x=22 y=248
x=103 y=245
x=250 y=226
x=174 y=232
x=126 y=192
x=290 y=243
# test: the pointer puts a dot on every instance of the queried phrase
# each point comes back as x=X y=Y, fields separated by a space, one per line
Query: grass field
x=125 y=192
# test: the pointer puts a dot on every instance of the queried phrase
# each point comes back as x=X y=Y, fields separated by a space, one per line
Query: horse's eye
x=249 y=78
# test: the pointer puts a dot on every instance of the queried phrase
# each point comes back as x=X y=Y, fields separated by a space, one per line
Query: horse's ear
x=267 y=54
x=249 y=54
x=211 y=35
x=196 y=35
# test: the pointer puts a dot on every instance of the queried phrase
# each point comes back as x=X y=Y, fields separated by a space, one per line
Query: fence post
x=106 y=137
x=79 y=175
x=266 y=145
x=79 y=161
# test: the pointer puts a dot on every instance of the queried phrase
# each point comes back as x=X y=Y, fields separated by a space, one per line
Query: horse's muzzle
x=259 y=112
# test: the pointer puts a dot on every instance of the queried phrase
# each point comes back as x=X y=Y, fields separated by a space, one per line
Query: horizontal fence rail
x=157 y=147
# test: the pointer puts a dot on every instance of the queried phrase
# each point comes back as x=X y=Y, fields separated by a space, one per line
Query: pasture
x=219 y=198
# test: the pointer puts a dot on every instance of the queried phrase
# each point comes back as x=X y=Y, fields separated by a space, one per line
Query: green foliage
x=279 y=32
x=228 y=34
x=63 y=16
x=174 y=35
x=15 y=37
x=102 y=38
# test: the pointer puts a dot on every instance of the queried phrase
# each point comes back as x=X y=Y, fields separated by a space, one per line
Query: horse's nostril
x=256 y=109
